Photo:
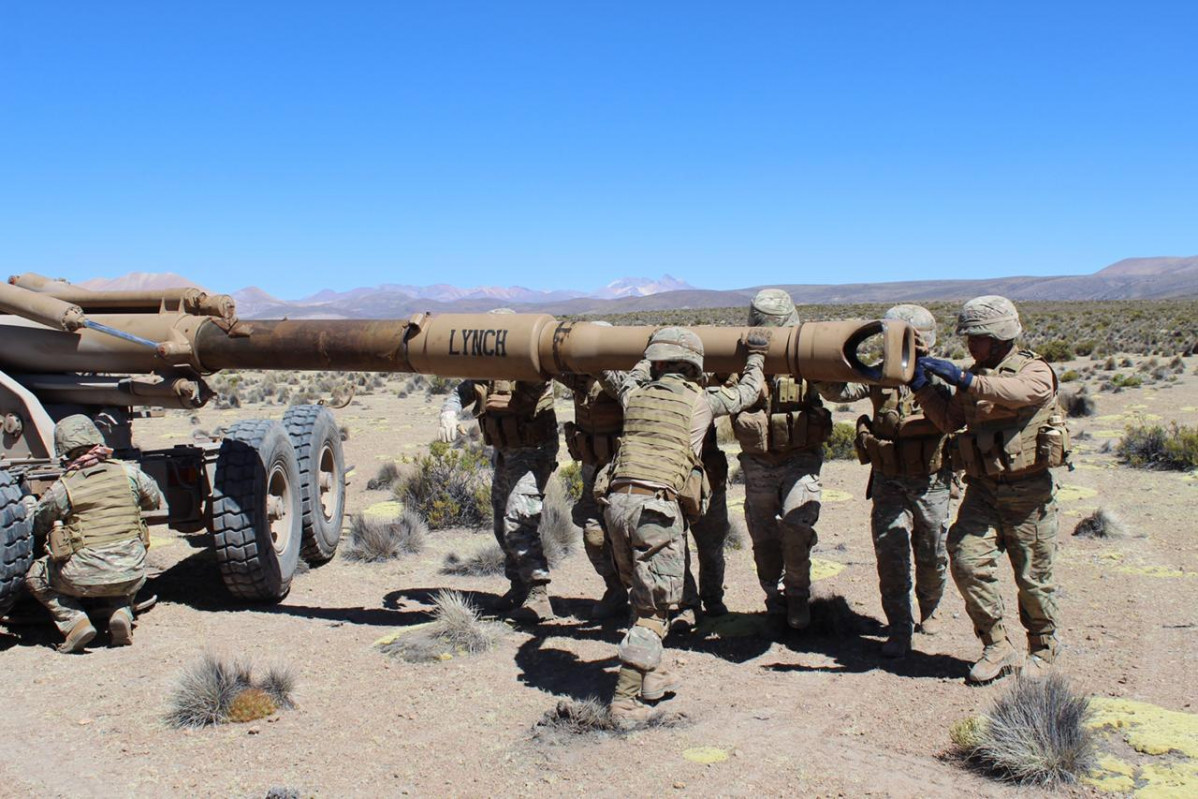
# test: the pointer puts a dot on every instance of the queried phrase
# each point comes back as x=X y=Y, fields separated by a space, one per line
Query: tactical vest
x=656 y=447
x=598 y=421
x=103 y=508
x=515 y=413
x=899 y=441
x=1011 y=442
x=787 y=417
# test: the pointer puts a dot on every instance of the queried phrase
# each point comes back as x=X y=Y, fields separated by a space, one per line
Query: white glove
x=449 y=427
x=30 y=503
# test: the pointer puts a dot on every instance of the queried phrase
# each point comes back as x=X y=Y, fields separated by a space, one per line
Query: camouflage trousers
x=648 y=538
x=589 y=516
x=710 y=533
x=114 y=572
x=517 y=497
x=782 y=503
x=1019 y=518
x=910 y=517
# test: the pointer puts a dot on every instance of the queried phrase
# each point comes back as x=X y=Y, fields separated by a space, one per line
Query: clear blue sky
x=299 y=145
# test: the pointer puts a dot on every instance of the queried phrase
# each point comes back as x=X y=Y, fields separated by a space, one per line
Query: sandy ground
x=819 y=714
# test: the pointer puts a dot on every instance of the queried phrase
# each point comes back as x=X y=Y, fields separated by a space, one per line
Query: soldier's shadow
x=850 y=640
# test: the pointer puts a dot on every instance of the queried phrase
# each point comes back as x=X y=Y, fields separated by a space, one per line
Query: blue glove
x=921 y=377
x=947 y=371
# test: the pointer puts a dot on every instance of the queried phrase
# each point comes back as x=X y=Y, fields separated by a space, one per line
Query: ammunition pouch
x=58 y=543
x=695 y=494
x=589 y=448
x=512 y=432
x=602 y=484
x=917 y=451
x=760 y=433
x=1010 y=451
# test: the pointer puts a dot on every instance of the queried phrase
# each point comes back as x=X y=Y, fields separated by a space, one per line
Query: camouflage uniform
x=1013 y=433
x=910 y=483
x=524 y=434
x=909 y=516
x=98 y=506
x=781 y=436
x=592 y=439
x=666 y=420
x=710 y=532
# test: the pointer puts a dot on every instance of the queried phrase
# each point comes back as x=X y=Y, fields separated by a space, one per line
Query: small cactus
x=250 y=705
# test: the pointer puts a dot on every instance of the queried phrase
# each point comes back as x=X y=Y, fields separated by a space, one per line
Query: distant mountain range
x=1132 y=278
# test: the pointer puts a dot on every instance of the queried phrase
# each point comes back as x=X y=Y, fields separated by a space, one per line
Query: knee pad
x=641 y=648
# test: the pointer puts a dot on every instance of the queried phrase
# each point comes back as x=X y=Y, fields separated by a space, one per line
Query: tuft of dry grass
x=559 y=535
x=457 y=628
x=592 y=717
x=215 y=690
x=372 y=540
x=1100 y=524
x=1035 y=734
x=487 y=561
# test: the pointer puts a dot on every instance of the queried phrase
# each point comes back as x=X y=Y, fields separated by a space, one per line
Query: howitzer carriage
x=273 y=492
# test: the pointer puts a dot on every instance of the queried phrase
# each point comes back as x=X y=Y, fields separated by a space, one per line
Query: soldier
x=517 y=419
x=1014 y=433
x=654 y=491
x=910 y=482
x=781 y=437
x=592 y=439
x=96 y=539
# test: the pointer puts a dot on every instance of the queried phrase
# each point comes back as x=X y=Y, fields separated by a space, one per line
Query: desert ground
x=761 y=713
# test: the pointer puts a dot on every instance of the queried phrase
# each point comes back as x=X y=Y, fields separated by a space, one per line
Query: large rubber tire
x=256 y=468
x=16 y=541
x=317 y=441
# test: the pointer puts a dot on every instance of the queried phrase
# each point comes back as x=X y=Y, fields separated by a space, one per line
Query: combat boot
x=79 y=636
x=714 y=608
x=1041 y=654
x=998 y=658
x=613 y=604
x=798 y=612
x=120 y=627
x=628 y=713
x=536 y=607
x=931 y=624
x=512 y=599
x=896 y=646
x=659 y=682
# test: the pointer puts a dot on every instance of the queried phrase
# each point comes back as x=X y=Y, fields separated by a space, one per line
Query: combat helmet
x=772 y=308
x=991 y=316
x=75 y=432
x=676 y=344
x=919 y=318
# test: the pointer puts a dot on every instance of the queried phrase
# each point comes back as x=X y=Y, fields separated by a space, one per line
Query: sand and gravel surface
x=762 y=713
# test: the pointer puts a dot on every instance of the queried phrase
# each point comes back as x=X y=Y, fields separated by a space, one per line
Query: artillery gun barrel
x=188 y=300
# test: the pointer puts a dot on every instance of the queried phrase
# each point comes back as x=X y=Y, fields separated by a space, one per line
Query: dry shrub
x=1153 y=446
x=488 y=560
x=737 y=535
x=591 y=717
x=387 y=475
x=1100 y=524
x=374 y=540
x=570 y=476
x=214 y=691
x=456 y=629
x=559 y=535
x=840 y=445
x=449 y=487
x=1035 y=734
x=1079 y=403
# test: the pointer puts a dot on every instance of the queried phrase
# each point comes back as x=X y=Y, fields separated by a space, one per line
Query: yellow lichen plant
x=250 y=705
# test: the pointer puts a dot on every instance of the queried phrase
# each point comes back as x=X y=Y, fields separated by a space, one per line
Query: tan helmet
x=501 y=310
x=75 y=432
x=772 y=308
x=676 y=344
x=991 y=316
x=919 y=318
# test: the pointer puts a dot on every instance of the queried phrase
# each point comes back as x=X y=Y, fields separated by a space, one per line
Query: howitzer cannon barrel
x=537 y=346
x=188 y=300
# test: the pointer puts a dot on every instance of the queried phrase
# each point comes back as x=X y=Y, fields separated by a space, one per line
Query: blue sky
x=297 y=146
